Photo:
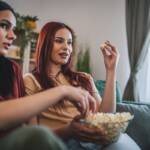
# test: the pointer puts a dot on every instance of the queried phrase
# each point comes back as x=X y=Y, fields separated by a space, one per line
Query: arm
x=110 y=60
x=109 y=98
x=16 y=111
x=107 y=102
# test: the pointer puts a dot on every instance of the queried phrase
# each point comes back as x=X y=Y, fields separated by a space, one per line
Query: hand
x=84 y=133
x=111 y=56
x=81 y=99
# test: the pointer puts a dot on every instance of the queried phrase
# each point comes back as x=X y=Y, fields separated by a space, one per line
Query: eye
x=60 y=41
x=69 y=42
x=4 y=26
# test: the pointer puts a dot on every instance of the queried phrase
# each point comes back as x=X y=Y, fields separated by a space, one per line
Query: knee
x=36 y=137
x=35 y=133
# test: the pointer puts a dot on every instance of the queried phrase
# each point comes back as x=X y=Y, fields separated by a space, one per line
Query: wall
x=94 y=21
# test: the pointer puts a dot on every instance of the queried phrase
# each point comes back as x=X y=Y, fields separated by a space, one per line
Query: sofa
x=139 y=127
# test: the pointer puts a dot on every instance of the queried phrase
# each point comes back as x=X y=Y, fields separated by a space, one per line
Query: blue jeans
x=124 y=143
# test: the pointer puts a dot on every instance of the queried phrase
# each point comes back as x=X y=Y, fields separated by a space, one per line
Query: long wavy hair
x=43 y=52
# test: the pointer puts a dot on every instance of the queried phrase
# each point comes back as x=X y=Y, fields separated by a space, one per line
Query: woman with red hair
x=54 y=50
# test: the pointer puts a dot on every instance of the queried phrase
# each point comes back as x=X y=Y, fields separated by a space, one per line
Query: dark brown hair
x=11 y=82
x=5 y=6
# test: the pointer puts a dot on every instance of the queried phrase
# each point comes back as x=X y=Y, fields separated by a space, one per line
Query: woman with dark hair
x=11 y=85
x=54 y=50
x=15 y=109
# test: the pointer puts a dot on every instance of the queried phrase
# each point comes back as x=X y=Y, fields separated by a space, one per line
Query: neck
x=54 y=69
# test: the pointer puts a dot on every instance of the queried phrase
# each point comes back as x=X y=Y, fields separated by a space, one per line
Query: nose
x=11 y=35
x=65 y=45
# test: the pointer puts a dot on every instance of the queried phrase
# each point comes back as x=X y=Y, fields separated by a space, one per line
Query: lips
x=6 y=45
x=63 y=55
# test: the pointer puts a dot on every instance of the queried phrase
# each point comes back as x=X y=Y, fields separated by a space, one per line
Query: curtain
x=137 y=25
x=143 y=78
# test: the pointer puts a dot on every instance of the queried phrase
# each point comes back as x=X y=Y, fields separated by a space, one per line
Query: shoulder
x=29 y=76
x=17 y=70
x=31 y=83
x=15 y=66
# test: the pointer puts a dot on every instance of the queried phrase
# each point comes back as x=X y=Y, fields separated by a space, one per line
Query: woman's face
x=62 y=47
x=7 y=25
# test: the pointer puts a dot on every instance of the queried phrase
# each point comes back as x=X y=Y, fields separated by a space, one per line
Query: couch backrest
x=139 y=127
x=100 y=85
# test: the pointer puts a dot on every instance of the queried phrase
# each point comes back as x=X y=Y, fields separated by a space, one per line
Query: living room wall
x=93 y=21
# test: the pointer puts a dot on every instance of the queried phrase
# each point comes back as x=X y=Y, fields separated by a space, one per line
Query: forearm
x=14 y=112
x=109 y=98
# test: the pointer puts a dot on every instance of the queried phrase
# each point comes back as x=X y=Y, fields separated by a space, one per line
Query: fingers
x=113 y=49
x=108 y=49
x=88 y=131
x=85 y=103
x=88 y=134
x=86 y=97
x=92 y=103
x=82 y=100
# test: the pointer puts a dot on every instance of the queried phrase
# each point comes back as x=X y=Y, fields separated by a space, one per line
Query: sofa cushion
x=139 y=127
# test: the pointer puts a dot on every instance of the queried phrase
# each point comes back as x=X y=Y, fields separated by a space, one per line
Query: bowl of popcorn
x=111 y=125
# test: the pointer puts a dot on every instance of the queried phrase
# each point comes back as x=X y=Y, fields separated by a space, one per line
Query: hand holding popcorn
x=111 y=56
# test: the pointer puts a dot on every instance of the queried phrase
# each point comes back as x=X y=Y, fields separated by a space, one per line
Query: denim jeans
x=124 y=143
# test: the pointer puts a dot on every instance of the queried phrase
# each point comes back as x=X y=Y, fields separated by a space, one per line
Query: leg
x=31 y=138
x=74 y=144
x=124 y=143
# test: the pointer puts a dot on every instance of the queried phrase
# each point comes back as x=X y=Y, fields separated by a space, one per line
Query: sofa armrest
x=139 y=128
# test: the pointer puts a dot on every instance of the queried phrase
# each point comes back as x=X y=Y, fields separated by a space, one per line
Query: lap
x=123 y=143
x=32 y=137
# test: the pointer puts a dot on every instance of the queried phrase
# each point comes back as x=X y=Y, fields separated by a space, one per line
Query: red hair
x=43 y=52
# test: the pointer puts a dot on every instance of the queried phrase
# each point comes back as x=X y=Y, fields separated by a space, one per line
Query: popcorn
x=102 y=46
x=111 y=125
x=100 y=118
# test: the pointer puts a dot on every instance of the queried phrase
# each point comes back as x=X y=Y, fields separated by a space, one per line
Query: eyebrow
x=8 y=22
x=58 y=37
